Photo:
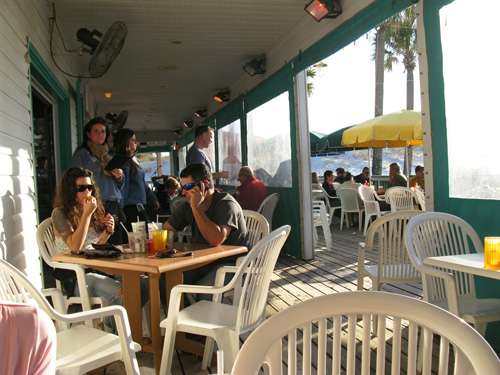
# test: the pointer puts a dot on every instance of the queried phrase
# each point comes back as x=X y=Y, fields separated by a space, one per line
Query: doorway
x=43 y=138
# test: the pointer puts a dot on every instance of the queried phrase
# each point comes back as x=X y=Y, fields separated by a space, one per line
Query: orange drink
x=492 y=253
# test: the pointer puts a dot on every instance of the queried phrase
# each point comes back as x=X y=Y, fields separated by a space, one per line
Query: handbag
x=104 y=250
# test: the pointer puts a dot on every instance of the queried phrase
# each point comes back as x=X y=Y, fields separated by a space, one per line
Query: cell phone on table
x=172 y=254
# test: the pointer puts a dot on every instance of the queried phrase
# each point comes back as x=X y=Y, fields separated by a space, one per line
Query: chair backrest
x=367 y=195
x=348 y=199
x=326 y=199
x=336 y=185
x=439 y=234
x=176 y=202
x=45 y=239
x=394 y=264
x=267 y=207
x=401 y=199
x=328 y=327
x=257 y=267
x=420 y=196
x=257 y=227
x=15 y=287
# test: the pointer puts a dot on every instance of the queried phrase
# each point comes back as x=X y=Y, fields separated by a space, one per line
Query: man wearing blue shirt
x=203 y=138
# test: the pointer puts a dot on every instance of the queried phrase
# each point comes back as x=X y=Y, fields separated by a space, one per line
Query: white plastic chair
x=349 y=202
x=421 y=197
x=221 y=322
x=188 y=231
x=324 y=332
x=267 y=207
x=320 y=219
x=372 y=207
x=394 y=265
x=80 y=348
x=46 y=246
x=257 y=228
x=439 y=234
x=331 y=209
x=401 y=199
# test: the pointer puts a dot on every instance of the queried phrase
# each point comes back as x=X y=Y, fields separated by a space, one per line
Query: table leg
x=155 y=305
x=132 y=303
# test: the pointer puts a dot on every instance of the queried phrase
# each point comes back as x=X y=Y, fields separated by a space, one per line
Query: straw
x=124 y=227
x=154 y=225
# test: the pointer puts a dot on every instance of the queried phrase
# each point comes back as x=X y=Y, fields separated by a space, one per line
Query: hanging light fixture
x=222 y=96
x=188 y=123
x=202 y=112
x=255 y=67
x=324 y=9
x=178 y=131
x=108 y=94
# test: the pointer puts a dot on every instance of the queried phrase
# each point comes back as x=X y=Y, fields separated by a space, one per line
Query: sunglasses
x=82 y=188
x=190 y=186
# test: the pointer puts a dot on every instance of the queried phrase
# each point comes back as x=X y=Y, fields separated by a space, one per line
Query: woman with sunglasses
x=94 y=155
x=135 y=190
x=79 y=221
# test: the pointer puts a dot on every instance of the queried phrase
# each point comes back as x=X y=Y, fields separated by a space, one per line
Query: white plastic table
x=470 y=263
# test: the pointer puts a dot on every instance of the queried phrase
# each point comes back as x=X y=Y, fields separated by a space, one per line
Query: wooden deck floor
x=296 y=280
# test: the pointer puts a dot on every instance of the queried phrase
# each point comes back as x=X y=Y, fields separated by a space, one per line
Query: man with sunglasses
x=364 y=177
x=215 y=218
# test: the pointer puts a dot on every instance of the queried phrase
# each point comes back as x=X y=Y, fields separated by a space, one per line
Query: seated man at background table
x=396 y=178
x=340 y=175
x=418 y=178
x=251 y=191
x=215 y=218
x=364 y=177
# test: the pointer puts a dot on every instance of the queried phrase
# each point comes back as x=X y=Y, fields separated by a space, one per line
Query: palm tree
x=378 y=56
x=310 y=74
x=401 y=46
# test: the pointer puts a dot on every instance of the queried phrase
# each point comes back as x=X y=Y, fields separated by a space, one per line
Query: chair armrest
x=450 y=285
x=59 y=306
x=223 y=271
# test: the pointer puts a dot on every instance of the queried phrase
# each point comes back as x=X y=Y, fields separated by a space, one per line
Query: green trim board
x=46 y=78
x=481 y=214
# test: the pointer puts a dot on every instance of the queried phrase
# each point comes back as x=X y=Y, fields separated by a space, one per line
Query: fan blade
x=107 y=50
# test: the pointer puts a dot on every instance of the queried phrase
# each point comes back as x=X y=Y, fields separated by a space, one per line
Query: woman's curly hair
x=66 y=198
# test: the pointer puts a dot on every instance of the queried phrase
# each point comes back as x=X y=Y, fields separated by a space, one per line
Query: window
x=149 y=164
x=182 y=157
x=229 y=141
x=470 y=80
x=269 y=148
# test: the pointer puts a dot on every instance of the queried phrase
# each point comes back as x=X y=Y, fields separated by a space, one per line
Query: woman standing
x=79 y=221
x=94 y=155
x=135 y=191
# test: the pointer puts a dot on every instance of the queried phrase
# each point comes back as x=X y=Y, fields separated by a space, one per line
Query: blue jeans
x=100 y=285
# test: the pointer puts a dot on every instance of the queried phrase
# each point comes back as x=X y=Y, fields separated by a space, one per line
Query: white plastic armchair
x=372 y=207
x=439 y=234
x=327 y=326
x=80 y=348
x=222 y=322
x=401 y=199
x=330 y=209
x=349 y=202
x=320 y=219
x=420 y=196
x=45 y=239
x=257 y=228
x=393 y=265
x=268 y=206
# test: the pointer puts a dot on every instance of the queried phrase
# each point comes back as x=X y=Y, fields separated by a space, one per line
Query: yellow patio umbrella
x=396 y=129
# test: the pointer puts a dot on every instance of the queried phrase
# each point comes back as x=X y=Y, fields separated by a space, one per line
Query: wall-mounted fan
x=116 y=122
x=103 y=50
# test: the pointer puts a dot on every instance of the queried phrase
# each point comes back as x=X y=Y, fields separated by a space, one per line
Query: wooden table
x=132 y=265
x=470 y=263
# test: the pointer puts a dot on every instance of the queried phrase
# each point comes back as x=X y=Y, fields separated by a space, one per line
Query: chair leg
x=341 y=219
x=228 y=342
x=168 y=348
x=208 y=352
x=481 y=328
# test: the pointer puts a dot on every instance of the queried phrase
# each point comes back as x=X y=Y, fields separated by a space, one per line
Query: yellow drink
x=492 y=253
x=160 y=239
